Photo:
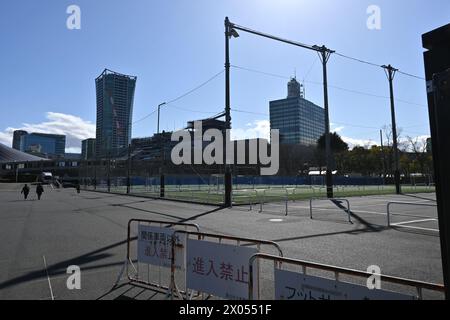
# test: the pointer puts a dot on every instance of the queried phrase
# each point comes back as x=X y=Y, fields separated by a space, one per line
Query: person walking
x=39 y=190
x=25 y=191
x=78 y=188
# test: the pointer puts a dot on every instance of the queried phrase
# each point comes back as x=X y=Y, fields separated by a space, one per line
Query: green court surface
x=249 y=194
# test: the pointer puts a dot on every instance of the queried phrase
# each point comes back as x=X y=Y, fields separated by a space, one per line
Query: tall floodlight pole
x=228 y=180
x=324 y=57
x=109 y=171
x=129 y=169
x=390 y=72
x=324 y=54
x=95 y=172
x=384 y=157
x=162 y=179
x=159 y=110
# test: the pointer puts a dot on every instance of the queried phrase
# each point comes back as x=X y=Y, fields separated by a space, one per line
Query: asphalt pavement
x=39 y=240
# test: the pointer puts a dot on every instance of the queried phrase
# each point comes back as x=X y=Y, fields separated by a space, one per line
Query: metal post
x=162 y=181
x=129 y=169
x=390 y=72
x=437 y=69
x=384 y=157
x=95 y=174
x=159 y=109
x=228 y=180
x=109 y=172
x=325 y=55
x=86 y=175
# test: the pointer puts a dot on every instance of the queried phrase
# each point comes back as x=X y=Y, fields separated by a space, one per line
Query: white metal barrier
x=138 y=277
x=220 y=240
x=337 y=271
x=403 y=224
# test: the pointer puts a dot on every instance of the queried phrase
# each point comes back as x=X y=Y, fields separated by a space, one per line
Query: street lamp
x=229 y=33
x=390 y=72
x=161 y=170
x=324 y=54
x=159 y=109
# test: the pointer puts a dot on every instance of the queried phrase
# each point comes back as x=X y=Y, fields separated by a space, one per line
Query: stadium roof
x=8 y=154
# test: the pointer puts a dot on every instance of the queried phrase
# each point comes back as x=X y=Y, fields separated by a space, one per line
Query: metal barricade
x=419 y=285
x=138 y=278
x=266 y=199
x=389 y=214
x=245 y=242
x=348 y=211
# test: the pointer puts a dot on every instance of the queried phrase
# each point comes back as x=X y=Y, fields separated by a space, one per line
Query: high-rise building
x=115 y=97
x=16 y=138
x=88 y=149
x=429 y=146
x=43 y=144
x=298 y=120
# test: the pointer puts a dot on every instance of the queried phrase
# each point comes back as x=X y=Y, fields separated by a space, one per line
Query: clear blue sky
x=172 y=46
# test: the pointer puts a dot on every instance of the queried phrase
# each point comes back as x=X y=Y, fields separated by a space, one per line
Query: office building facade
x=115 y=98
x=88 y=149
x=299 y=121
x=43 y=144
x=17 y=135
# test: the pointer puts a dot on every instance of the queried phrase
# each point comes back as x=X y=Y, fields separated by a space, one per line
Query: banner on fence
x=155 y=246
x=219 y=269
x=297 y=286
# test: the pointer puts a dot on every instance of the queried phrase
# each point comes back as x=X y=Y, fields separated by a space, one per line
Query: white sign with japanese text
x=218 y=269
x=155 y=246
x=297 y=286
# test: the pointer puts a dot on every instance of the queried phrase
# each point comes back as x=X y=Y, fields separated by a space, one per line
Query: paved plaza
x=40 y=239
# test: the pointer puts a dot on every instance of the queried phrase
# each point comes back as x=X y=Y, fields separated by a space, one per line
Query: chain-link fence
x=195 y=184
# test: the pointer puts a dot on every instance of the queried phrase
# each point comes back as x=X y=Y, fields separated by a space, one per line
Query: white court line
x=418 y=228
x=48 y=278
x=333 y=209
x=413 y=221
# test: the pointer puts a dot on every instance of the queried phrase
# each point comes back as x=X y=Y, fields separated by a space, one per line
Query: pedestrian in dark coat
x=39 y=191
x=25 y=191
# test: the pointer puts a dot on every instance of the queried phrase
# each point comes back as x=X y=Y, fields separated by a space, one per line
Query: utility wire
x=310 y=69
x=183 y=95
x=171 y=105
x=196 y=88
x=338 y=123
x=145 y=117
x=261 y=72
x=250 y=112
x=358 y=60
x=411 y=75
x=331 y=86
x=376 y=65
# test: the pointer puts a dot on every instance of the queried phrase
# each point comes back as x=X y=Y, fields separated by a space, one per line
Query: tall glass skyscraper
x=17 y=135
x=299 y=120
x=115 y=97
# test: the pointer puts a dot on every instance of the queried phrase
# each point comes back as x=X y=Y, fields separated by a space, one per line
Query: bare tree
x=418 y=146
x=387 y=130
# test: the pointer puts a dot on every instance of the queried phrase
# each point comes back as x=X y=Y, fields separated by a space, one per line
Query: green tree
x=337 y=144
